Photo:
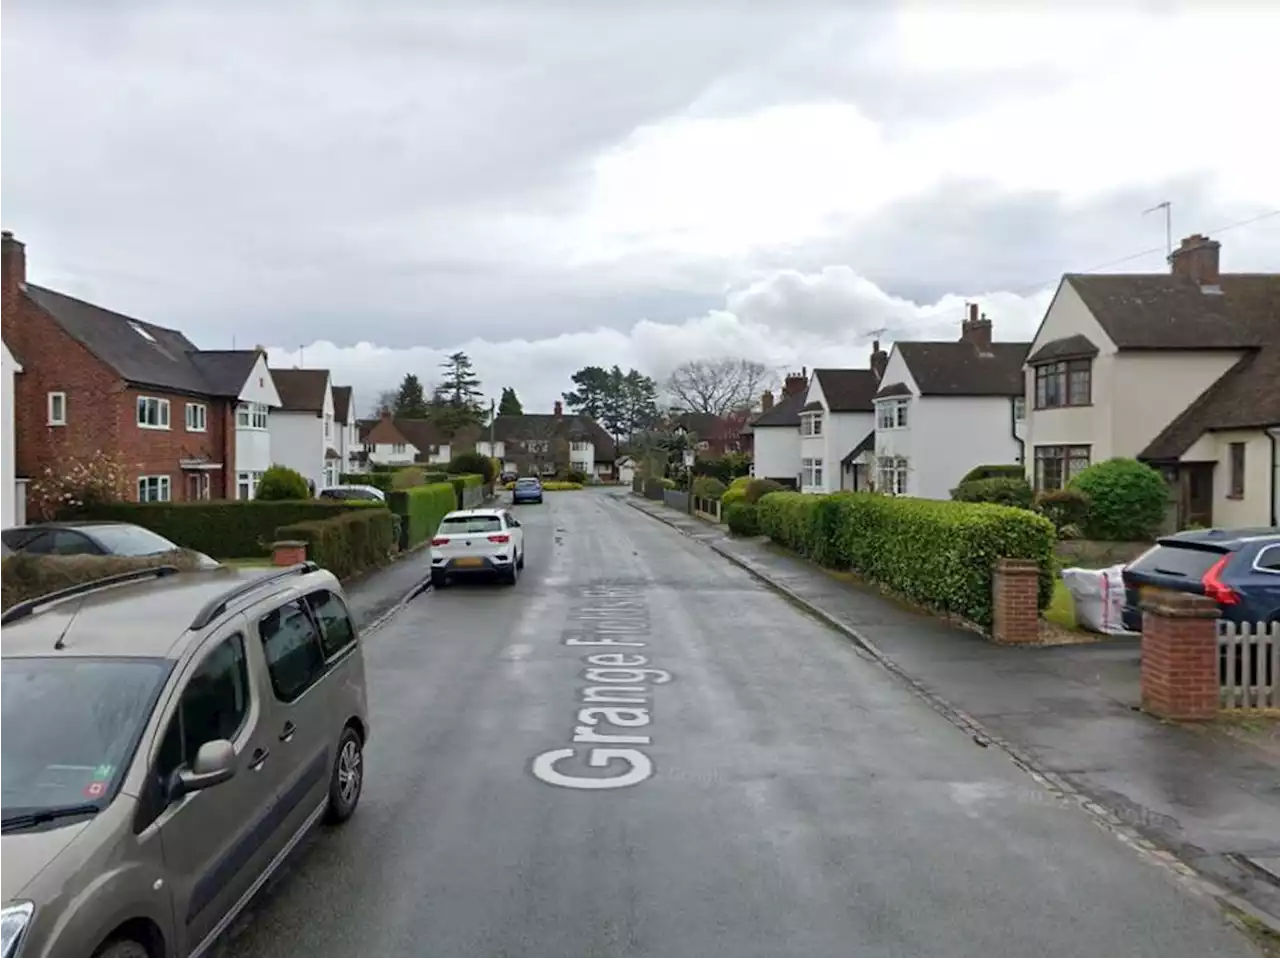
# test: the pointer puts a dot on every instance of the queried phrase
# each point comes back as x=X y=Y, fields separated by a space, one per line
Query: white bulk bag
x=1098 y=596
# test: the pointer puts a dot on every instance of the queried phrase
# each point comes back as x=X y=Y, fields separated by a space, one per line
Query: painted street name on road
x=611 y=622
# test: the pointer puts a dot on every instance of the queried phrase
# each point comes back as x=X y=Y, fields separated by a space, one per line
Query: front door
x=1196 y=500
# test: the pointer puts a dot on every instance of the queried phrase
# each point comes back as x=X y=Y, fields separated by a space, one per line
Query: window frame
x=1257 y=560
x=314 y=680
x=163 y=483
x=197 y=411
x=399 y=448
x=811 y=473
x=811 y=423
x=342 y=651
x=252 y=415
x=1236 y=464
x=1062 y=373
x=1070 y=452
x=61 y=398
x=1019 y=408
x=164 y=417
x=893 y=474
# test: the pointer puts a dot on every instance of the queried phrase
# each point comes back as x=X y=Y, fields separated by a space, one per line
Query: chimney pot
x=559 y=408
x=766 y=400
x=1197 y=259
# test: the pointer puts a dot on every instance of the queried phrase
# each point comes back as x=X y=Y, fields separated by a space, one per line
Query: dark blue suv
x=1237 y=568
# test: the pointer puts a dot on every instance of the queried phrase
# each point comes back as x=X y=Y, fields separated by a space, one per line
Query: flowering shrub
x=74 y=485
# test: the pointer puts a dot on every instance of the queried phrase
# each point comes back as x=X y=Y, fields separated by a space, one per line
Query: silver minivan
x=168 y=739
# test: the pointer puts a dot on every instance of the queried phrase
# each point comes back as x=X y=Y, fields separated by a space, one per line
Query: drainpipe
x=1273 y=433
x=1013 y=431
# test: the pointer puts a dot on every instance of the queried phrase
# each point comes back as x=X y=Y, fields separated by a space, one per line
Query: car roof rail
x=215 y=607
x=23 y=609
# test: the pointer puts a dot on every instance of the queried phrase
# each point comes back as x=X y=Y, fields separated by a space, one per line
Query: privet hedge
x=421 y=509
x=742 y=518
x=940 y=554
x=24 y=576
x=346 y=544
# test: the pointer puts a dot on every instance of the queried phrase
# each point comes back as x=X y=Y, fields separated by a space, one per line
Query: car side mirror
x=213 y=765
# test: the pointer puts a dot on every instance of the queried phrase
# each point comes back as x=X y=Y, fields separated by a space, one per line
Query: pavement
x=758 y=786
x=1071 y=713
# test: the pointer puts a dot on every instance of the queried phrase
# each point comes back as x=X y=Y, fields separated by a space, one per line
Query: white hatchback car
x=472 y=541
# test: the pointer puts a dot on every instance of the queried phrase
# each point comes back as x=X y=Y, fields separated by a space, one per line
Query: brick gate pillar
x=1015 y=603
x=1180 y=656
x=288 y=552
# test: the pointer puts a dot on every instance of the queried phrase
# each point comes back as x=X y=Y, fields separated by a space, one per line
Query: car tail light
x=503 y=537
x=440 y=541
x=1215 y=589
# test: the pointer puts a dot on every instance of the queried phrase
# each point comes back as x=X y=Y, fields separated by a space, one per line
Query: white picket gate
x=1249 y=664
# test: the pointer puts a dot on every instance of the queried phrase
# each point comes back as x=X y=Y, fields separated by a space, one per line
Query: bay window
x=1068 y=382
x=811 y=424
x=1058 y=465
x=891 y=414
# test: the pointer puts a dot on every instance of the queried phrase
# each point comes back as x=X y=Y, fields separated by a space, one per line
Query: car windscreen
x=131 y=540
x=466 y=525
x=1165 y=559
x=71 y=727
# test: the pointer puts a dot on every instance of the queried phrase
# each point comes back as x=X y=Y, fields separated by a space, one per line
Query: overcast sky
x=553 y=184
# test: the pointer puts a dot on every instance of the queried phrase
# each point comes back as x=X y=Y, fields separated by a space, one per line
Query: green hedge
x=1002 y=490
x=1011 y=471
x=460 y=486
x=223 y=528
x=381 y=479
x=421 y=509
x=743 y=518
x=347 y=544
x=1127 y=500
x=940 y=554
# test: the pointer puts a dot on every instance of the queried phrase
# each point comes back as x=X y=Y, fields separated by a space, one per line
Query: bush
x=1013 y=471
x=347 y=544
x=1004 y=491
x=708 y=487
x=24 y=576
x=761 y=487
x=72 y=486
x=421 y=509
x=1127 y=500
x=576 y=476
x=408 y=477
x=473 y=462
x=742 y=519
x=1065 y=508
x=280 y=483
x=940 y=554
x=379 y=479
x=554 y=485
x=224 y=529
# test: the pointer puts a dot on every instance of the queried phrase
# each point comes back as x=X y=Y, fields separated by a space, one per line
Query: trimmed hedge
x=460 y=486
x=554 y=485
x=1002 y=490
x=1011 y=471
x=379 y=479
x=708 y=487
x=421 y=509
x=346 y=544
x=24 y=576
x=222 y=528
x=743 y=519
x=282 y=484
x=757 y=488
x=1127 y=500
x=472 y=463
x=737 y=491
x=940 y=554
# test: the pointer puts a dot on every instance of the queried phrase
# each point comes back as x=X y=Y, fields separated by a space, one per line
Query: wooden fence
x=708 y=509
x=1249 y=665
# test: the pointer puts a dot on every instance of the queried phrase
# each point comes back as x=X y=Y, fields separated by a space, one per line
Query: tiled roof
x=894 y=389
x=785 y=412
x=301 y=390
x=1069 y=347
x=814 y=406
x=550 y=426
x=342 y=404
x=959 y=368
x=848 y=390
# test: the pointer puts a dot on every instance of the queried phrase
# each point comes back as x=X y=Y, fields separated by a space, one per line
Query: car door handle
x=286 y=733
x=258 y=759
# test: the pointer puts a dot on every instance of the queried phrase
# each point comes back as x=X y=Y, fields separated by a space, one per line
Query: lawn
x=1061 y=610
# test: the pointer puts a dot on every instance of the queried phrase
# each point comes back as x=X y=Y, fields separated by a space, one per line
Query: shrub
x=281 y=483
x=421 y=509
x=1002 y=490
x=1013 y=471
x=1127 y=500
x=379 y=479
x=472 y=462
x=554 y=485
x=737 y=491
x=408 y=477
x=25 y=576
x=224 y=529
x=742 y=519
x=1065 y=508
x=75 y=485
x=761 y=487
x=346 y=544
x=708 y=487
x=575 y=476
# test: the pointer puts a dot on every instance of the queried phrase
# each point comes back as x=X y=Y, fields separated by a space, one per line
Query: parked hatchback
x=1237 y=568
x=91 y=538
x=472 y=541
x=528 y=489
x=155 y=777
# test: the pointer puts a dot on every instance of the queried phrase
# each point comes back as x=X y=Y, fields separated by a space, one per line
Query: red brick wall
x=1015 y=610
x=1180 y=657
x=157 y=452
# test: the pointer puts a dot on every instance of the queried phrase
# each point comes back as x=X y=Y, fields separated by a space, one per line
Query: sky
x=369 y=186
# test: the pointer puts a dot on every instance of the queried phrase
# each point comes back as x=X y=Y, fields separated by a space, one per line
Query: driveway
x=786 y=797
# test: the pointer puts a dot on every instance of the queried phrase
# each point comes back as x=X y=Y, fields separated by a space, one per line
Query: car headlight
x=13 y=925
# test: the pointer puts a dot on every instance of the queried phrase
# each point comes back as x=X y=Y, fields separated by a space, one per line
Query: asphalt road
x=798 y=800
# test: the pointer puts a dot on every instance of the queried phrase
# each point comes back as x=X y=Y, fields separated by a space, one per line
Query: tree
x=509 y=404
x=386 y=402
x=640 y=402
x=281 y=482
x=624 y=403
x=411 y=400
x=456 y=402
x=590 y=396
x=717 y=386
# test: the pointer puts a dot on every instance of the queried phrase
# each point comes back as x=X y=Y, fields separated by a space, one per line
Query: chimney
x=976 y=329
x=559 y=409
x=13 y=266
x=795 y=383
x=879 y=360
x=1197 y=260
x=766 y=400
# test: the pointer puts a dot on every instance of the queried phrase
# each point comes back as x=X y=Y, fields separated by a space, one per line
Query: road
x=798 y=800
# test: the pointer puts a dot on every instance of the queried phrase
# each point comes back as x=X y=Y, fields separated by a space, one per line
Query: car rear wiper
x=44 y=815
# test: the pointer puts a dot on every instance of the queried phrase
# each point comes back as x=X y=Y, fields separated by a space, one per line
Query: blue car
x=1237 y=568
x=528 y=489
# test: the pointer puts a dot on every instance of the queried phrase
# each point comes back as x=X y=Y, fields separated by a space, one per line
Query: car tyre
x=347 y=780
x=123 y=948
x=439 y=580
x=512 y=575
x=520 y=561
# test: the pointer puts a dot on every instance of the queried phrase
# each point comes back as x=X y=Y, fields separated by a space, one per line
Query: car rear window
x=528 y=482
x=132 y=541
x=461 y=525
x=1190 y=563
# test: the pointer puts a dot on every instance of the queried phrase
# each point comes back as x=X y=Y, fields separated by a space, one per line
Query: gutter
x=1273 y=433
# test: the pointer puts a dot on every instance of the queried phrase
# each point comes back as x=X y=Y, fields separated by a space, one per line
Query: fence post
x=1180 y=656
x=1015 y=606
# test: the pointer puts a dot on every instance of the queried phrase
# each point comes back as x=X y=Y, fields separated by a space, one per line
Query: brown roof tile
x=342 y=404
x=301 y=390
x=894 y=389
x=848 y=390
x=381 y=432
x=959 y=368
x=785 y=412
x=1069 y=347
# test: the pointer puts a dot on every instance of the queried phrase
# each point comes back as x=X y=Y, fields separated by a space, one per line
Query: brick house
x=713 y=435
x=96 y=382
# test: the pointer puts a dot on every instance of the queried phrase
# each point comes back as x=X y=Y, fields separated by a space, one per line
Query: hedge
x=940 y=554
x=379 y=479
x=460 y=486
x=1011 y=471
x=24 y=576
x=421 y=509
x=222 y=528
x=1127 y=500
x=554 y=485
x=743 y=518
x=1002 y=490
x=346 y=544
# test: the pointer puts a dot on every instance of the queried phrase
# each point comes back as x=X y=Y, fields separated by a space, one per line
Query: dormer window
x=811 y=424
x=1068 y=382
x=891 y=414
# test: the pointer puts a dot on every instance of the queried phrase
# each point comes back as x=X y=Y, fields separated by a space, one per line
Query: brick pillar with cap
x=1015 y=603
x=1180 y=656
x=288 y=552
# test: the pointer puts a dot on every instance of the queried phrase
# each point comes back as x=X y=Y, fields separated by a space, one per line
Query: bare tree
x=717 y=386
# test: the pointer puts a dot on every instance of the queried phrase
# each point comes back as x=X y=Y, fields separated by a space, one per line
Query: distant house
x=303 y=431
x=837 y=420
x=13 y=492
x=945 y=407
x=544 y=444
x=775 y=432
x=397 y=440
x=350 y=449
x=99 y=383
x=713 y=435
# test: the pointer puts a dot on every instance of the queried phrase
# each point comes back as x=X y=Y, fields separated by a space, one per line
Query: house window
x=197 y=417
x=893 y=475
x=57 y=403
x=588 y=447
x=247 y=484
x=1237 y=471
x=328 y=427
x=153 y=413
x=399 y=448
x=891 y=415
x=1019 y=408
x=1066 y=383
x=811 y=424
x=251 y=415
x=153 y=489
x=1058 y=465
x=811 y=473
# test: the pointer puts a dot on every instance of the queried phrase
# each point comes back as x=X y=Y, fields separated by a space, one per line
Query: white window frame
x=163 y=488
x=892 y=414
x=399 y=448
x=811 y=424
x=247 y=484
x=811 y=474
x=60 y=399
x=251 y=415
x=590 y=447
x=197 y=417
x=161 y=407
x=893 y=474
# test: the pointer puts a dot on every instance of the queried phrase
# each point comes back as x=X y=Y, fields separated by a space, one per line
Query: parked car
x=91 y=538
x=528 y=489
x=353 y=492
x=1237 y=568
x=162 y=774
x=471 y=541
x=508 y=477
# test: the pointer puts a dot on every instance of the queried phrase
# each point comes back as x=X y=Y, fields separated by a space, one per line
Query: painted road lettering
x=617 y=700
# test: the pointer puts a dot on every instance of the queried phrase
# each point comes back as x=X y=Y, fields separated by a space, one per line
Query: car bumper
x=470 y=565
x=526 y=497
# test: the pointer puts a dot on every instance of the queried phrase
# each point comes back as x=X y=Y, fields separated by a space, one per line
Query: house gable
x=260 y=386
x=896 y=371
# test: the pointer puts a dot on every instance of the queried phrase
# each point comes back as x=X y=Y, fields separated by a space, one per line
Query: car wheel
x=122 y=948
x=520 y=561
x=347 y=780
x=512 y=575
x=439 y=580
